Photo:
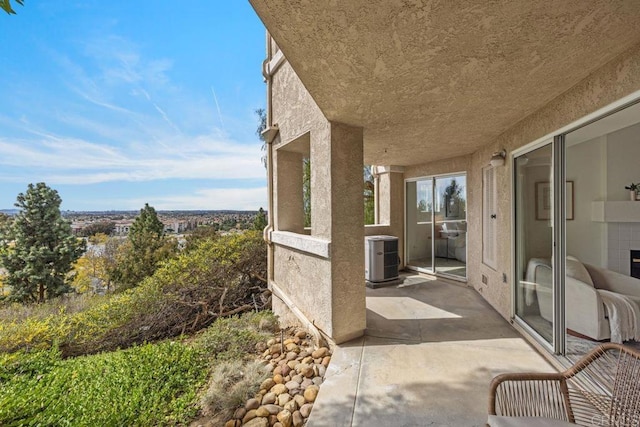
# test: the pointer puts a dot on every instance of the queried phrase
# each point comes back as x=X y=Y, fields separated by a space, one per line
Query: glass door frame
x=557 y=138
x=558 y=247
x=433 y=270
x=406 y=252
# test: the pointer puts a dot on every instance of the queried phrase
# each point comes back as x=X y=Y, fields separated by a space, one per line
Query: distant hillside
x=136 y=212
x=133 y=213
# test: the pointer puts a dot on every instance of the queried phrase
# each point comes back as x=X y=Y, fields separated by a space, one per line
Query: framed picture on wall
x=544 y=203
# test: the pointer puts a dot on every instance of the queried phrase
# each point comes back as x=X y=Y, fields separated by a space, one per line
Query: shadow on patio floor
x=429 y=353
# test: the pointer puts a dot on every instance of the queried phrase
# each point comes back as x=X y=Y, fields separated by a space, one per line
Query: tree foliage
x=369 y=195
x=91 y=272
x=219 y=277
x=260 y=221
x=262 y=125
x=38 y=248
x=102 y=227
x=306 y=190
x=204 y=232
x=146 y=225
x=6 y=6
x=142 y=253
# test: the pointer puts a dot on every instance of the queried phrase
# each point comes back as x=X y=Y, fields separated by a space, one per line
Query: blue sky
x=115 y=104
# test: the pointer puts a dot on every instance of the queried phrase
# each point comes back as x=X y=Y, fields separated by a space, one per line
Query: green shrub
x=218 y=276
x=231 y=384
x=21 y=365
x=236 y=337
x=141 y=386
x=73 y=330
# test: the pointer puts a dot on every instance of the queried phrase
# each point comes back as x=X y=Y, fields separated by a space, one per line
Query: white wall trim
x=303 y=243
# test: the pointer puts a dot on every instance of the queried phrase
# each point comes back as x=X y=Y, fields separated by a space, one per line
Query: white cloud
x=113 y=126
x=206 y=199
x=74 y=161
x=120 y=118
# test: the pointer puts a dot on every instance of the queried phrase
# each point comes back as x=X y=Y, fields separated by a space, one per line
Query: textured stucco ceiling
x=435 y=79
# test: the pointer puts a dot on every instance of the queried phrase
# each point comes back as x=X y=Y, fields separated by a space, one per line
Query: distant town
x=175 y=222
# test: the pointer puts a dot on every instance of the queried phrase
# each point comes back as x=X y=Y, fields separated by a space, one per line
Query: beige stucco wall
x=309 y=279
x=615 y=80
x=304 y=279
x=444 y=78
x=328 y=289
x=293 y=109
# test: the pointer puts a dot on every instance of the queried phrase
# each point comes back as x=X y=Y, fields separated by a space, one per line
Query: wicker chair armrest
x=530 y=395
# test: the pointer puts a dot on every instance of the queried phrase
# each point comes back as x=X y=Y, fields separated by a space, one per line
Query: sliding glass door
x=576 y=230
x=451 y=225
x=534 y=285
x=419 y=217
x=436 y=225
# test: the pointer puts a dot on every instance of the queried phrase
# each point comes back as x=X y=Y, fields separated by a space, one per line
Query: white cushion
x=447 y=227
x=577 y=270
x=497 y=421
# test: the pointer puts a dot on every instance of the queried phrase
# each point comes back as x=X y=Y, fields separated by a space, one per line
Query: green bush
x=236 y=337
x=231 y=384
x=154 y=384
x=217 y=277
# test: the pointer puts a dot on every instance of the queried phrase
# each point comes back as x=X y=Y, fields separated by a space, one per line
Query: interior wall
x=539 y=235
x=623 y=159
x=623 y=168
x=600 y=169
x=587 y=168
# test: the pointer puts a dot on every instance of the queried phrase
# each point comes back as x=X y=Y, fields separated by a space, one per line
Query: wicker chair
x=602 y=389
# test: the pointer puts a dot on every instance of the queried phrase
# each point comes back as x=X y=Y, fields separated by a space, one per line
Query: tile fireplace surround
x=621 y=239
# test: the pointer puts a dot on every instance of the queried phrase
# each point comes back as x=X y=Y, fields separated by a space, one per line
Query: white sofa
x=586 y=313
x=456 y=233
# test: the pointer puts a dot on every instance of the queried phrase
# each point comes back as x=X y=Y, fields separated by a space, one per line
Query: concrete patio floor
x=430 y=350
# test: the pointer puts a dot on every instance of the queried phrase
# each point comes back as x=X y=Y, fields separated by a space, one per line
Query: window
x=369 y=193
x=489 y=217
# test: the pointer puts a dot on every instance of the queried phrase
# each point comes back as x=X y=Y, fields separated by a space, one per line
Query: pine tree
x=146 y=247
x=147 y=226
x=260 y=221
x=38 y=249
